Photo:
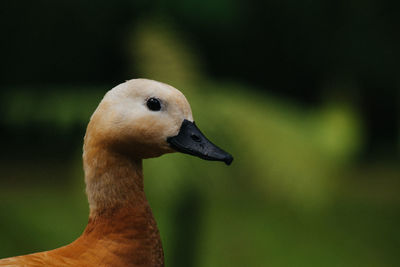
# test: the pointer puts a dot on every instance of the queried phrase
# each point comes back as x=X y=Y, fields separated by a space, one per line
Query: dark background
x=304 y=62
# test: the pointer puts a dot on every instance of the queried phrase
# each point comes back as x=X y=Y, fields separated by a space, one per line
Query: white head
x=143 y=118
x=135 y=120
x=125 y=120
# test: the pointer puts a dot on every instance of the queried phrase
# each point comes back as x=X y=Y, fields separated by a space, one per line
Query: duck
x=136 y=120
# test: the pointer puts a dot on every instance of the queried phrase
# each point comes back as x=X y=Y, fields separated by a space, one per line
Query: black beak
x=191 y=141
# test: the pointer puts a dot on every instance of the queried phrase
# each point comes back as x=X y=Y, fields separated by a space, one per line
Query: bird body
x=125 y=237
x=135 y=120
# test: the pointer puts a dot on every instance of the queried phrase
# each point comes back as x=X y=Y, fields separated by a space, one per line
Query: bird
x=135 y=120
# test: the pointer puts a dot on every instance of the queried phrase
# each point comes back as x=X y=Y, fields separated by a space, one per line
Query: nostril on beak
x=195 y=138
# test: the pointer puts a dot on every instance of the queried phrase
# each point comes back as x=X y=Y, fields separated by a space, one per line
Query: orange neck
x=120 y=216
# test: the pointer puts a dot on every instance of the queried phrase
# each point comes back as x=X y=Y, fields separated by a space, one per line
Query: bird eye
x=153 y=104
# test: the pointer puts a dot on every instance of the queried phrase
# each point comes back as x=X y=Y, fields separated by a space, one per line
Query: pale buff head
x=136 y=120
x=124 y=122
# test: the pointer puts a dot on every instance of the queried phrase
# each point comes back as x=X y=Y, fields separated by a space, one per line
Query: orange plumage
x=122 y=131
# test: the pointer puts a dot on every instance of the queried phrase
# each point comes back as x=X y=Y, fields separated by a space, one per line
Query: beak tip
x=190 y=140
x=228 y=160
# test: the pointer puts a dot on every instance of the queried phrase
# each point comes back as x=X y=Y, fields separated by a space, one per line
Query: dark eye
x=153 y=104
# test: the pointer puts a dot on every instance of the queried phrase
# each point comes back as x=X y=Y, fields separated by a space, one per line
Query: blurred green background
x=304 y=94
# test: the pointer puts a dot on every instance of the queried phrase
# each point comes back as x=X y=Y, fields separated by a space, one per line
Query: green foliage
x=157 y=52
x=60 y=107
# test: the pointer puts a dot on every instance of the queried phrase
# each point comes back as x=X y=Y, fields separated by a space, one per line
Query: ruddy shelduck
x=136 y=120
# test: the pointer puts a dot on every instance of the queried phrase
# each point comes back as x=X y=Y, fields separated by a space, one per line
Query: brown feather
x=121 y=230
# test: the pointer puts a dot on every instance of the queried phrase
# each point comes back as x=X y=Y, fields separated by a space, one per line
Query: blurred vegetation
x=314 y=183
